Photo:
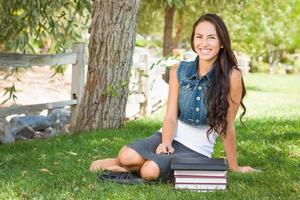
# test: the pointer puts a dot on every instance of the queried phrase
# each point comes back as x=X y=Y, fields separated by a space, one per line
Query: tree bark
x=111 y=47
x=180 y=26
x=274 y=55
x=168 y=39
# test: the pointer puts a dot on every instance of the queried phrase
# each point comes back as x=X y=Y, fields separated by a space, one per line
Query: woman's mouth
x=205 y=51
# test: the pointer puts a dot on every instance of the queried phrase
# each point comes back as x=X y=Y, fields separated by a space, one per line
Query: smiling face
x=206 y=41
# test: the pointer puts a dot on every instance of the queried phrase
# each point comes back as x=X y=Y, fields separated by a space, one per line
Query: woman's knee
x=149 y=171
x=129 y=157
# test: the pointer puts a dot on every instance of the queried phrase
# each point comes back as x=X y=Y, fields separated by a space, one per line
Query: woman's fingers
x=162 y=148
x=247 y=169
x=170 y=149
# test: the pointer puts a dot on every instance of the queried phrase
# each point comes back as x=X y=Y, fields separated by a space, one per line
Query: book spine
x=200 y=176
x=184 y=183
x=182 y=166
x=201 y=186
x=199 y=173
x=199 y=181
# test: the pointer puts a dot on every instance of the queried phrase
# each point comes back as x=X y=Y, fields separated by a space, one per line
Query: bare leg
x=130 y=159
x=149 y=171
x=127 y=160
x=110 y=164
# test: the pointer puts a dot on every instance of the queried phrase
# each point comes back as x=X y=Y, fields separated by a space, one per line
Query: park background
x=263 y=32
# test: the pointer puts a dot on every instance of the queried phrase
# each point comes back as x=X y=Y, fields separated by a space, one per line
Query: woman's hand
x=164 y=148
x=246 y=169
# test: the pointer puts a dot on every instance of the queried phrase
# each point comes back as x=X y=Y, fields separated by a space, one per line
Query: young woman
x=204 y=97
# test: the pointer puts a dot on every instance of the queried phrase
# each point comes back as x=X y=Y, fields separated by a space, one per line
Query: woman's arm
x=229 y=141
x=170 y=120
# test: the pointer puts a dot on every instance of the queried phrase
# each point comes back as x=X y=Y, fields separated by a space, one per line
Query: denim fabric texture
x=192 y=93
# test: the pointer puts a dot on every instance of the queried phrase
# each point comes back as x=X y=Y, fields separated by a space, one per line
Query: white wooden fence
x=78 y=61
x=76 y=58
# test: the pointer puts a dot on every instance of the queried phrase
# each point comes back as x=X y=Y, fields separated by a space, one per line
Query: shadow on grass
x=271 y=145
x=64 y=160
x=254 y=88
x=273 y=130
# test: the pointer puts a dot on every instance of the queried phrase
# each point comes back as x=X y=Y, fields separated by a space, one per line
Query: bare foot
x=110 y=164
x=116 y=169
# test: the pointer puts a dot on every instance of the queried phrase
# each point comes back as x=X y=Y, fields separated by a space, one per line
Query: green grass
x=272 y=96
x=270 y=141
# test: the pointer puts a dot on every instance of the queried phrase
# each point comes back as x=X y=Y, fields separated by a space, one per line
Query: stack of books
x=200 y=174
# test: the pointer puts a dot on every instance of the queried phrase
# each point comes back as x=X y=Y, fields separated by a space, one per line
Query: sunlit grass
x=57 y=168
x=272 y=96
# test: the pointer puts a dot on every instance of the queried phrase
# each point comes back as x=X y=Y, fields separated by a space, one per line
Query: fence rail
x=76 y=58
x=29 y=60
x=35 y=107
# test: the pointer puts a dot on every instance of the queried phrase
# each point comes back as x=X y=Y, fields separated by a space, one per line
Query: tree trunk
x=179 y=29
x=111 y=47
x=168 y=40
x=274 y=55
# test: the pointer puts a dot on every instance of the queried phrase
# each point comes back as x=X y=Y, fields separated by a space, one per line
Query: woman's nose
x=204 y=41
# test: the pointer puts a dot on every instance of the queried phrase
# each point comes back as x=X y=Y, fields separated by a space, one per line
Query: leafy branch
x=11 y=93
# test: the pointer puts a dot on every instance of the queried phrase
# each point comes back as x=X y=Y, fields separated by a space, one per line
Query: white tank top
x=195 y=138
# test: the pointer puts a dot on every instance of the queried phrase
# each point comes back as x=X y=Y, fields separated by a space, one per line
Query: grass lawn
x=57 y=168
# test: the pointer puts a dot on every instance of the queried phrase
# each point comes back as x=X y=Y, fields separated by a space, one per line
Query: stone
x=59 y=118
x=20 y=129
x=20 y=137
x=26 y=132
x=36 y=122
x=5 y=134
x=50 y=132
x=6 y=137
x=39 y=135
x=3 y=125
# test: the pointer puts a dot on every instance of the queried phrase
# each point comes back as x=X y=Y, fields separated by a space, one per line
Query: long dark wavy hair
x=218 y=91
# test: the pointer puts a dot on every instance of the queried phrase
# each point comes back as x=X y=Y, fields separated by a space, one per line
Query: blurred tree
x=262 y=29
x=150 y=21
x=259 y=28
x=183 y=13
x=179 y=28
x=169 y=7
x=42 y=26
x=265 y=29
x=48 y=25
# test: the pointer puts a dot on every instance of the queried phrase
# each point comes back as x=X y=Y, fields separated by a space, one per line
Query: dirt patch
x=36 y=86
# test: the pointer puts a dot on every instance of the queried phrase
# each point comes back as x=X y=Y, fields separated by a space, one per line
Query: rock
x=7 y=137
x=20 y=137
x=20 y=129
x=3 y=125
x=36 y=122
x=5 y=134
x=35 y=126
x=39 y=135
x=67 y=128
x=59 y=118
x=26 y=132
x=49 y=132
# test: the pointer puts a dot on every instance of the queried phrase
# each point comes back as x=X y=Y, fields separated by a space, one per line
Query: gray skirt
x=147 y=147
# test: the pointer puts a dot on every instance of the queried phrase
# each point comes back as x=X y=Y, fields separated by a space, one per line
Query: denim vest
x=192 y=93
